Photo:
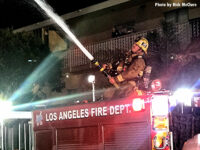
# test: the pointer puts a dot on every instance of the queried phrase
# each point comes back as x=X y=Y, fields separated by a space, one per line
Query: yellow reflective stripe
x=119 y=68
x=120 y=78
x=96 y=63
x=102 y=69
x=139 y=92
x=140 y=73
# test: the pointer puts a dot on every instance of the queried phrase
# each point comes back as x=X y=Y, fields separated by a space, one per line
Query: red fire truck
x=133 y=123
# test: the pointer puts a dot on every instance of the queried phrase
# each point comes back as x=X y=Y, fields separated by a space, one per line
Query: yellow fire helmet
x=143 y=44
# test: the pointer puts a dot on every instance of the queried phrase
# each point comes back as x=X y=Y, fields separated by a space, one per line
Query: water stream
x=49 y=11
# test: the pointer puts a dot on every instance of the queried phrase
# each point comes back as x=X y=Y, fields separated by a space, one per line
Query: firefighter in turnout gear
x=128 y=72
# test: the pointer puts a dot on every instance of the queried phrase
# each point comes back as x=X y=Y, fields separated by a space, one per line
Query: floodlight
x=160 y=105
x=5 y=108
x=184 y=96
x=67 y=75
x=91 y=78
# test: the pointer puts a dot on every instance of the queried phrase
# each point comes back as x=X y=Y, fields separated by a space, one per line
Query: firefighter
x=130 y=71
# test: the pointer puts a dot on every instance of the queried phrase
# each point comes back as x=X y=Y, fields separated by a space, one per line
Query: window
x=177 y=16
x=195 y=28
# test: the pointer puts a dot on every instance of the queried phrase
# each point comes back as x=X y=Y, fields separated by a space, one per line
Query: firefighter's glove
x=106 y=67
x=111 y=80
x=103 y=68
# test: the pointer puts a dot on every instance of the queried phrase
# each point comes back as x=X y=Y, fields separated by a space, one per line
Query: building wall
x=194 y=13
x=56 y=43
x=97 y=26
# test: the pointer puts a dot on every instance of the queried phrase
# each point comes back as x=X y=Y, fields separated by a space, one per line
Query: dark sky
x=19 y=13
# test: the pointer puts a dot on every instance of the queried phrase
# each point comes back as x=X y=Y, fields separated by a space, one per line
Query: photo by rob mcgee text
x=167 y=4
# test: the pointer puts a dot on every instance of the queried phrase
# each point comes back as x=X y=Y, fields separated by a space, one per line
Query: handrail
x=107 y=49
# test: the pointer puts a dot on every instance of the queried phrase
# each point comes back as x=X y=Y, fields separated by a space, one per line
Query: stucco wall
x=98 y=25
x=194 y=13
x=56 y=43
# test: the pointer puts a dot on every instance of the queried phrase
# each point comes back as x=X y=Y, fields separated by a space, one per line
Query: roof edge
x=71 y=15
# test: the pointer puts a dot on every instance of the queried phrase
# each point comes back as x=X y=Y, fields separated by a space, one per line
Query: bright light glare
x=67 y=75
x=91 y=78
x=5 y=108
x=18 y=115
x=172 y=101
x=160 y=105
x=138 y=104
x=183 y=96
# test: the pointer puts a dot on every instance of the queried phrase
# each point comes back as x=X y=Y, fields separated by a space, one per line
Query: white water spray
x=63 y=26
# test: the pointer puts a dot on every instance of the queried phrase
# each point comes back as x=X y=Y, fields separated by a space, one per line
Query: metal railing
x=105 y=50
x=195 y=28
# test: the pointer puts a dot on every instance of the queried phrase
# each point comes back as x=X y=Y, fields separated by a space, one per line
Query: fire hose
x=64 y=27
x=96 y=63
x=48 y=10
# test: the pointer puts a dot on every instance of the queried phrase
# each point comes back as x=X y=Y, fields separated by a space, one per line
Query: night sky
x=19 y=13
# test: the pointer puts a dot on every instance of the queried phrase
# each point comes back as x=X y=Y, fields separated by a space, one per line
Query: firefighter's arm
x=135 y=70
x=113 y=82
x=107 y=67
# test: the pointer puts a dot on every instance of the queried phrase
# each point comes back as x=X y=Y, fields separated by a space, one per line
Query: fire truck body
x=132 y=123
